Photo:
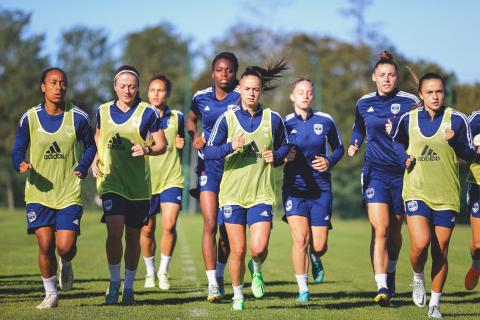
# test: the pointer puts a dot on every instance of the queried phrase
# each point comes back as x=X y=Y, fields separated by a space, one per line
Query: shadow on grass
x=15 y=276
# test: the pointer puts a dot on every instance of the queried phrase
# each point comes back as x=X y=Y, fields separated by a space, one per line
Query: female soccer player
x=251 y=139
x=52 y=131
x=167 y=185
x=307 y=189
x=382 y=173
x=429 y=142
x=123 y=176
x=473 y=200
x=209 y=104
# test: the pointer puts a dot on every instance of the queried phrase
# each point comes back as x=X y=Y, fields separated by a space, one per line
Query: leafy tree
x=21 y=64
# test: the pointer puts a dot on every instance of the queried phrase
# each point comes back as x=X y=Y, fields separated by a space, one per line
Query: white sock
x=381 y=280
x=476 y=264
x=66 y=263
x=164 y=263
x=392 y=266
x=238 y=291
x=302 y=281
x=114 y=272
x=129 y=278
x=418 y=277
x=212 y=279
x=50 y=285
x=313 y=257
x=150 y=265
x=257 y=266
x=435 y=299
x=220 y=269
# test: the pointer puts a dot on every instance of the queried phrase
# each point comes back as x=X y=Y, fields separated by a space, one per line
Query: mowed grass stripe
x=347 y=292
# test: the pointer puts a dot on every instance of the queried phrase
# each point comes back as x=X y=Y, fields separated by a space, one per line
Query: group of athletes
x=412 y=148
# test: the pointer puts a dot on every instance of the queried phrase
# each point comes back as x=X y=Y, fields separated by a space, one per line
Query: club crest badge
x=412 y=206
x=318 y=128
x=227 y=211
x=395 y=108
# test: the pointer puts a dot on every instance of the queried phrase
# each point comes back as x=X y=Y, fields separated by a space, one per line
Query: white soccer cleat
x=65 y=280
x=150 y=281
x=434 y=312
x=163 y=282
x=50 y=301
x=419 y=295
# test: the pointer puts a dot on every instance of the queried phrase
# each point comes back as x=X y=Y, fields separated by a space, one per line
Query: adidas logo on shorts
x=265 y=214
x=116 y=143
x=53 y=152
x=428 y=155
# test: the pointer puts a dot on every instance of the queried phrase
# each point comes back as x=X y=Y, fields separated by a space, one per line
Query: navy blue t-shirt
x=372 y=113
x=311 y=137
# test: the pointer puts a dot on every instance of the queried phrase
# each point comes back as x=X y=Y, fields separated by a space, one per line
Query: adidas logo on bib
x=53 y=152
x=116 y=143
x=428 y=155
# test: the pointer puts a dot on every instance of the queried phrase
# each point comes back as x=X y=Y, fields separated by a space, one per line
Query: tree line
x=341 y=72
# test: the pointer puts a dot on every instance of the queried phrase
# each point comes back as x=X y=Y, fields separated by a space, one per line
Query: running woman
x=252 y=139
x=429 y=141
x=167 y=185
x=123 y=175
x=52 y=130
x=208 y=105
x=307 y=187
x=382 y=173
x=473 y=201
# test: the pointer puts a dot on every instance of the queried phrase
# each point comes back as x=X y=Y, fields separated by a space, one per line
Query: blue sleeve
x=474 y=123
x=462 y=140
x=84 y=132
x=281 y=144
x=400 y=139
x=151 y=122
x=358 y=130
x=217 y=146
x=181 y=124
x=194 y=106
x=336 y=144
x=22 y=141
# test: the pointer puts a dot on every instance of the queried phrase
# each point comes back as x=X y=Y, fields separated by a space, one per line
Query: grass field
x=346 y=294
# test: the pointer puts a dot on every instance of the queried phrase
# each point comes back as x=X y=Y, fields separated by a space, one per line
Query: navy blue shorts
x=173 y=195
x=442 y=218
x=380 y=187
x=239 y=215
x=473 y=200
x=209 y=173
x=67 y=218
x=317 y=209
x=134 y=211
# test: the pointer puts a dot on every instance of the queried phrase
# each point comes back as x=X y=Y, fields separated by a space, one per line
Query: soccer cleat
x=127 y=297
x=303 y=297
x=318 y=272
x=149 y=281
x=382 y=297
x=65 y=276
x=238 y=304
x=419 y=295
x=213 y=293
x=50 y=301
x=113 y=291
x=391 y=283
x=257 y=286
x=221 y=286
x=434 y=312
x=163 y=282
x=471 y=278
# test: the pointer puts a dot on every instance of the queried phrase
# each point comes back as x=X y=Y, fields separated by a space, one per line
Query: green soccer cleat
x=303 y=298
x=258 y=289
x=318 y=272
x=238 y=304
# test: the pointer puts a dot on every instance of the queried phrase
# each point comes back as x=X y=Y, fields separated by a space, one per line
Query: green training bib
x=54 y=157
x=166 y=169
x=123 y=174
x=435 y=177
x=247 y=180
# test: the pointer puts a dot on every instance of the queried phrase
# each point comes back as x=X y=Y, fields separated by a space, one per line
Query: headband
x=126 y=71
